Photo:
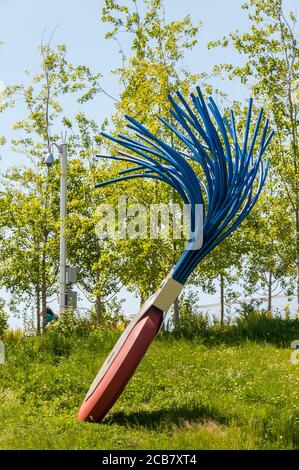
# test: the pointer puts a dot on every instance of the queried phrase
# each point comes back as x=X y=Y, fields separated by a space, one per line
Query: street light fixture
x=49 y=159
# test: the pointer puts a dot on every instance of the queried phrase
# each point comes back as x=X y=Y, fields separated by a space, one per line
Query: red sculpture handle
x=120 y=365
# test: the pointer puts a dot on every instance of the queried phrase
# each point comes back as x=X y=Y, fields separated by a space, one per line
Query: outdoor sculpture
x=234 y=175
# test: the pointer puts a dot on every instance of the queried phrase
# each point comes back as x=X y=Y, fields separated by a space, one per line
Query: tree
x=271 y=70
x=222 y=266
x=31 y=196
x=269 y=237
x=152 y=72
x=29 y=266
x=99 y=262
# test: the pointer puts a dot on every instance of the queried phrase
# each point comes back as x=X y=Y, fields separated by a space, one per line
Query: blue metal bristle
x=230 y=170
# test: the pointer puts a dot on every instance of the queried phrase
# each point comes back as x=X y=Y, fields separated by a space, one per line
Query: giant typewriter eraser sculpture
x=234 y=175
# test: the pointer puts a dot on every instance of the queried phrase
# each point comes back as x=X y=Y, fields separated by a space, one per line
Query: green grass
x=184 y=396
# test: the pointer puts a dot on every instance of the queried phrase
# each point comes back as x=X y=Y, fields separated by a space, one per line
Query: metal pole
x=63 y=246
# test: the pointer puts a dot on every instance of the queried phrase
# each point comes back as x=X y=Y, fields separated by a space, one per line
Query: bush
x=191 y=322
x=61 y=335
x=191 y=325
x=250 y=324
x=112 y=315
x=70 y=323
x=259 y=325
x=14 y=336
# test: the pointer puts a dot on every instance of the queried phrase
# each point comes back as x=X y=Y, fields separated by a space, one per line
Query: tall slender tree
x=31 y=194
x=271 y=70
x=152 y=69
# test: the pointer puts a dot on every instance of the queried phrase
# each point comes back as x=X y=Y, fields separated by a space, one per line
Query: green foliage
x=29 y=223
x=271 y=71
x=29 y=202
x=70 y=323
x=191 y=321
x=112 y=314
x=268 y=236
x=250 y=324
x=100 y=264
x=43 y=99
x=12 y=335
x=149 y=72
x=262 y=326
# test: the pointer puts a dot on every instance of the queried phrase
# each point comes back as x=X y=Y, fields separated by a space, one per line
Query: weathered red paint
x=123 y=365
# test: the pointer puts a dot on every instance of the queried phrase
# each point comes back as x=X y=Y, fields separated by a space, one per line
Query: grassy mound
x=185 y=395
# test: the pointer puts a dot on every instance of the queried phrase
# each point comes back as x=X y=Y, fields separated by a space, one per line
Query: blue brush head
x=234 y=175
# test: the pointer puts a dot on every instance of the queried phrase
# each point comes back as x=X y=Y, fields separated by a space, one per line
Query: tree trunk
x=98 y=305
x=222 y=299
x=270 y=292
x=44 y=286
x=176 y=310
x=297 y=256
x=37 y=293
x=99 y=312
x=176 y=304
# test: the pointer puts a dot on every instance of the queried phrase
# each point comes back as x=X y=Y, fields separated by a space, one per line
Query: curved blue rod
x=233 y=172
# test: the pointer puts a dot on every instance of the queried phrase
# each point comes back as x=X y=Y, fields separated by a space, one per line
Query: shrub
x=112 y=315
x=70 y=322
x=15 y=336
x=250 y=324
x=191 y=322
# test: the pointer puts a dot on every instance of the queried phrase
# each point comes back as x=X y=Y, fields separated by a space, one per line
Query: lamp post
x=62 y=236
x=49 y=161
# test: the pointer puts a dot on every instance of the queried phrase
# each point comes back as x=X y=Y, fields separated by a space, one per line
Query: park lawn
x=184 y=396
